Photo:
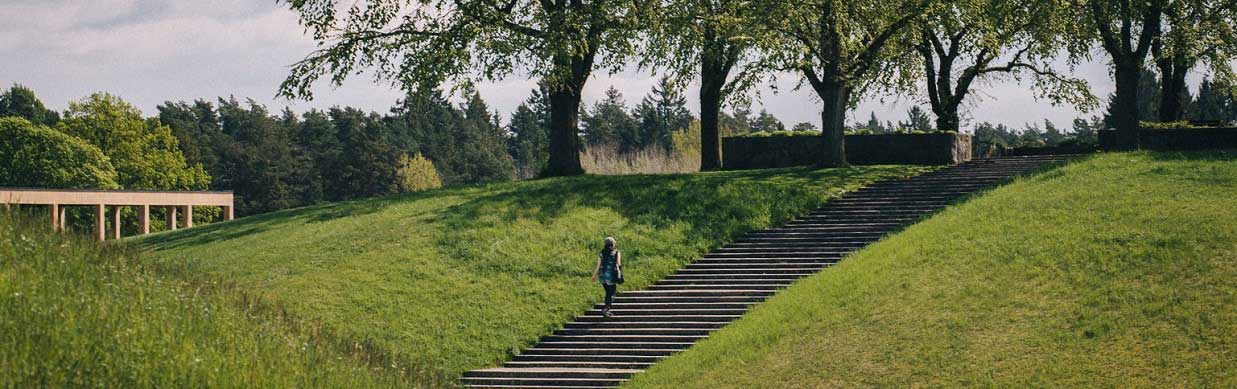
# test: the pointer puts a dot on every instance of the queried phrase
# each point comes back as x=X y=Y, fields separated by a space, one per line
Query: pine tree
x=485 y=157
x=661 y=113
x=608 y=124
x=1215 y=104
x=766 y=122
x=529 y=142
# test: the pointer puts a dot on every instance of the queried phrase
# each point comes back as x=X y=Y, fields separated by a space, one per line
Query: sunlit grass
x=457 y=279
x=74 y=313
x=1114 y=272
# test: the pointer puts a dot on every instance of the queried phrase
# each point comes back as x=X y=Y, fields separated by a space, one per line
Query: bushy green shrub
x=37 y=156
x=769 y=134
x=417 y=173
x=859 y=131
x=1165 y=125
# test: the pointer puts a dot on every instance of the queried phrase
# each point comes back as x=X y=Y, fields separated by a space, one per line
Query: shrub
x=1165 y=125
x=417 y=173
x=37 y=156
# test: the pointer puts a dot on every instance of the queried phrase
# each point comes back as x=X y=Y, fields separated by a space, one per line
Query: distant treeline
x=278 y=160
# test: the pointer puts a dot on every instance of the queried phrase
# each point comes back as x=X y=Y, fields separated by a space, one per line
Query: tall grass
x=78 y=313
x=606 y=160
x=681 y=156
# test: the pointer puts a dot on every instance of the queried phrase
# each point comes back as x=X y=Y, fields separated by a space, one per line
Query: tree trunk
x=564 y=132
x=1172 y=88
x=947 y=119
x=833 y=122
x=1125 y=104
x=710 y=109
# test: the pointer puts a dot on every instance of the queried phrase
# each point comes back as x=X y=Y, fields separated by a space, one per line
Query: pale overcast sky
x=151 y=51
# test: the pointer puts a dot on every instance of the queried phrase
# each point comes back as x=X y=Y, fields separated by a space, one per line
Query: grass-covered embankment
x=74 y=313
x=1116 y=271
x=458 y=279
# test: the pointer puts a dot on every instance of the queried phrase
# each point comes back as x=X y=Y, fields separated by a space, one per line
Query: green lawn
x=457 y=279
x=77 y=314
x=1114 y=272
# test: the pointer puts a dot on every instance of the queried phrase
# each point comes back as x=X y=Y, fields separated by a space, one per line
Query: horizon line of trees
x=279 y=160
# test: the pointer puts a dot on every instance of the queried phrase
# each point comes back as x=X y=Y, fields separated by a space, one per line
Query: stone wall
x=799 y=150
x=1177 y=139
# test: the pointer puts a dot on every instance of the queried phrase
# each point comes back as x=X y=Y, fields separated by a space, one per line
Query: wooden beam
x=114 y=197
x=143 y=219
x=99 y=224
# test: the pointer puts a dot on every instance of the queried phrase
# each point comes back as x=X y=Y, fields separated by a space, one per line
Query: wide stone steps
x=633 y=331
x=643 y=325
x=676 y=305
x=573 y=364
x=685 y=307
x=749 y=270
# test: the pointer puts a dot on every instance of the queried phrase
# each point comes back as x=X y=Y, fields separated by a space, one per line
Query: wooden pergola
x=58 y=199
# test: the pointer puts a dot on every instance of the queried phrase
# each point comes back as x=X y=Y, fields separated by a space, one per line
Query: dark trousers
x=610 y=290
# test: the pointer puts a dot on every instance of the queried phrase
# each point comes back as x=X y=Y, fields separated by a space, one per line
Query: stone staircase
x=685 y=307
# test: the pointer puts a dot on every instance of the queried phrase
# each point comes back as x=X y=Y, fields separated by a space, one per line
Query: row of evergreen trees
x=276 y=161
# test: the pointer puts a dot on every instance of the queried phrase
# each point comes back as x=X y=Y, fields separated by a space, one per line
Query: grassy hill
x=1116 y=271
x=77 y=314
x=451 y=280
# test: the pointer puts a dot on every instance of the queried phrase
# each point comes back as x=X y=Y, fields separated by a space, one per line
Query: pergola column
x=188 y=216
x=99 y=225
x=143 y=219
x=227 y=213
x=172 y=218
x=116 y=222
x=55 y=211
x=63 y=217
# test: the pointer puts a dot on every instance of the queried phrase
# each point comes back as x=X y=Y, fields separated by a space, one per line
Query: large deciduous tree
x=420 y=44
x=34 y=156
x=1193 y=31
x=145 y=153
x=1125 y=30
x=966 y=41
x=20 y=101
x=841 y=48
x=709 y=39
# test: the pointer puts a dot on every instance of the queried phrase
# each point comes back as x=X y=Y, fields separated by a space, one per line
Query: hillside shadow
x=712 y=204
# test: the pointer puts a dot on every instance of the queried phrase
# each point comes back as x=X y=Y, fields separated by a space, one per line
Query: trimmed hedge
x=942 y=148
x=1172 y=139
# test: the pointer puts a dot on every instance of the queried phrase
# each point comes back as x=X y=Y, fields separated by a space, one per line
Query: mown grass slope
x=77 y=314
x=1116 y=271
x=458 y=279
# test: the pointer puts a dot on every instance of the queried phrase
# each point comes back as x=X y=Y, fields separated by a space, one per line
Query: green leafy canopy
x=422 y=44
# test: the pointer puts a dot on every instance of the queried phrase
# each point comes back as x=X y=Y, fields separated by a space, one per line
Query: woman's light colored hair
x=610 y=242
